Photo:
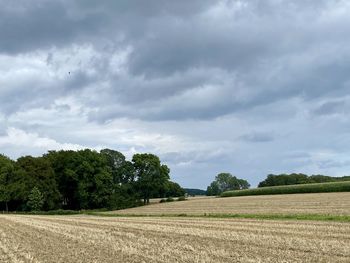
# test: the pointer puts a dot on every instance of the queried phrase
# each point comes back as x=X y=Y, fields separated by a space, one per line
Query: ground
x=195 y=238
x=319 y=203
x=142 y=239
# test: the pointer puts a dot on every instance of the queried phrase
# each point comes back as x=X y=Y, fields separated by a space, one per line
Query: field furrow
x=99 y=239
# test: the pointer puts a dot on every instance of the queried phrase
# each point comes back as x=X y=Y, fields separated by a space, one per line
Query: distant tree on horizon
x=226 y=182
x=298 y=178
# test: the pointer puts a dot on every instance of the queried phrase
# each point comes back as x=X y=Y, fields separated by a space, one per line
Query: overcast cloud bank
x=247 y=87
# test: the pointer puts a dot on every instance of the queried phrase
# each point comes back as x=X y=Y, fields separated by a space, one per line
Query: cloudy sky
x=248 y=87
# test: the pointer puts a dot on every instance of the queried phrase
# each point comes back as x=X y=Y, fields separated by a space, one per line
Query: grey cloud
x=258 y=137
x=144 y=9
x=298 y=155
x=198 y=157
x=270 y=69
x=330 y=108
x=170 y=46
x=41 y=24
x=333 y=164
x=42 y=92
x=219 y=73
x=2 y=130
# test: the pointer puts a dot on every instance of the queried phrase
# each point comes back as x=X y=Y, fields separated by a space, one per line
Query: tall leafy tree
x=123 y=173
x=37 y=172
x=64 y=164
x=121 y=169
x=95 y=185
x=84 y=178
x=6 y=172
x=151 y=175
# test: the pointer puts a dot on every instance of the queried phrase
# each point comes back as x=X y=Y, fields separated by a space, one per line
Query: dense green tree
x=64 y=164
x=6 y=172
x=83 y=179
x=124 y=192
x=226 y=182
x=284 y=179
x=122 y=170
x=37 y=171
x=92 y=172
x=324 y=179
x=194 y=191
x=35 y=200
x=243 y=184
x=172 y=189
x=151 y=175
x=213 y=189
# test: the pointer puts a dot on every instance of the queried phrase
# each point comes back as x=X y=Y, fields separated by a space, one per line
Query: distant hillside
x=192 y=191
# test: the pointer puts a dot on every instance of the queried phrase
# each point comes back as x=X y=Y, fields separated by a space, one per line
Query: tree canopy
x=151 y=175
x=226 y=182
x=6 y=173
x=83 y=179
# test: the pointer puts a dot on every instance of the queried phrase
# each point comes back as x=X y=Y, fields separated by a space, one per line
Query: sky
x=247 y=87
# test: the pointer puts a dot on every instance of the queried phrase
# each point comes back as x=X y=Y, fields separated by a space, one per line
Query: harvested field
x=316 y=203
x=100 y=239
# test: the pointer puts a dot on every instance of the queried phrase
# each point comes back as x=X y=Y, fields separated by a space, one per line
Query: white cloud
x=26 y=143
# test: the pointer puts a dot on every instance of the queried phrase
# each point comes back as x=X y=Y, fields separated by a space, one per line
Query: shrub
x=181 y=198
x=54 y=212
x=170 y=199
x=162 y=201
x=35 y=200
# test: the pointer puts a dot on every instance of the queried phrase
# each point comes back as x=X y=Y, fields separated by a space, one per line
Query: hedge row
x=292 y=189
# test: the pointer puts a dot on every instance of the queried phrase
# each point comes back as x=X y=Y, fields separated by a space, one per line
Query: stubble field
x=126 y=238
x=142 y=239
x=318 y=203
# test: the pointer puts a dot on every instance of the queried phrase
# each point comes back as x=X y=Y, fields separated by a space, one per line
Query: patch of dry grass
x=318 y=203
x=100 y=239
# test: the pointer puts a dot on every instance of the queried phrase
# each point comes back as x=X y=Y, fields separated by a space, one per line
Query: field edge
x=308 y=217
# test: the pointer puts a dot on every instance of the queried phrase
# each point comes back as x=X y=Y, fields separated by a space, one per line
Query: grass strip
x=310 y=217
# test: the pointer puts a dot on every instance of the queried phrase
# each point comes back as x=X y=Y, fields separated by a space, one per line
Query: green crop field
x=292 y=189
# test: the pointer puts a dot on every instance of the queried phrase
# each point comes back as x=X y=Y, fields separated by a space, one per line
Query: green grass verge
x=292 y=189
x=51 y=212
x=311 y=217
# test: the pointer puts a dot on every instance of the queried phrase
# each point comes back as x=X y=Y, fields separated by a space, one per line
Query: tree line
x=299 y=178
x=83 y=179
x=227 y=182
